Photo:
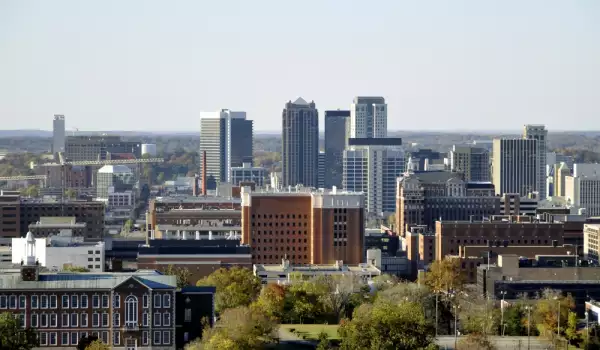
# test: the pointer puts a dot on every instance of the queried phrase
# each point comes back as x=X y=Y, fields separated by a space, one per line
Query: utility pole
x=503 y=293
x=436 y=315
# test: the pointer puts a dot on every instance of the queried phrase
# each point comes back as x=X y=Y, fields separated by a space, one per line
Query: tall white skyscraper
x=58 y=133
x=368 y=117
x=515 y=166
x=539 y=133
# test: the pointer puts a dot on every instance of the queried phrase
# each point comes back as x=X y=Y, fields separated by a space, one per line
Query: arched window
x=131 y=311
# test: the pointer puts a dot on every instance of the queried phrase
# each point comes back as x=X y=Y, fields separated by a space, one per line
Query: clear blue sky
x=154 y=65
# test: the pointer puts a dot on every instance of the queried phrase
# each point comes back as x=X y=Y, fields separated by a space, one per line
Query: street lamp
x=557 y=321
x=503 y=293
x=587 y=330
x=456 y=307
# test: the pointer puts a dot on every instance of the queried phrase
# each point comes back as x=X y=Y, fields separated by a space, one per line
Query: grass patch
x=311 y=331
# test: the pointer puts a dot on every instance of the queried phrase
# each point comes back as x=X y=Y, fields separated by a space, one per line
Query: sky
x=154 y=65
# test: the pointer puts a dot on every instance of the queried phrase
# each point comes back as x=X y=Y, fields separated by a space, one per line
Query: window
x=21 y=319
x=84 y=302
x=167 y=319
x=117 y=301
x=74 y=319
x=188 y=315
x=22 y=301
x=145 y=338
x=53 y=340
x=116 y=319
x=43 y=338
x=12 y=302
x=104 y=319
x=131 y=311
x=74 y=301
x=167 y=300
x=116 y=338
x=3 y=302
x=83 y=335
x=156 y=337
x=74 y=338
x=105 y=337
x=156 y=300
x=64 y=338
x=65 y=301
x=157 y=319
x=145 y=301
x=34 y=321
x=53 y=301
x=43 y=320
x=53 y=320
x=166 y=337
x=145 y=319
x=105 y=301
x=84 y=320
x=95 y=301
x=95 y=319
x=64 y=321
x=34 y=302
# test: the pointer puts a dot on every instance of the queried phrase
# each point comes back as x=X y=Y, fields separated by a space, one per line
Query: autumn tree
x=478 y=315
x=12 y=336
x=236 y=286
x=97 y=345
x=272 y=301
x=445 y=276
x=477 y=341
x=323 y=339
x=238 y=328
x=551 y=307
x=336 y=293
x=385 y=325
x=183 y=275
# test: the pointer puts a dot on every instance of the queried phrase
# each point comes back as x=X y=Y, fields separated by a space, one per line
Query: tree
x=127 y=226
x=272 y=301
x=477 y=341
x=384 y=325
x=571 y=331
x=550 y=306
x=31 y=191
x=75 y=269
x=323 y=341
x=12 y=336
x=183 y=275
x=160 y=178
x=70 y=193
x=336 y=293
x=478 y=315
x=515 y=321
x=97 y=345
x=445 y=276
x=239 y=328
x=391 y=221
x=236 y=286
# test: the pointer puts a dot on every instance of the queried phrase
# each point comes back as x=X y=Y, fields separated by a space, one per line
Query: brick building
x=304 y=227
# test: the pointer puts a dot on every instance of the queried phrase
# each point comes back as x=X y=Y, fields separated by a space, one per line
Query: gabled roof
x=300 y=101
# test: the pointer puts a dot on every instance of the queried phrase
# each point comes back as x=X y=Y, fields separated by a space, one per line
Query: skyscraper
x=300 y=143
x=335 y=143
x=368 y=117
x=539 y=133
x=473 y=162
x=227 y=138
x=58 y=134
x=515 y=166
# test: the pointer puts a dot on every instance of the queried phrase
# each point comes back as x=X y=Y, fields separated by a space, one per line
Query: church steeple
x=30 y=267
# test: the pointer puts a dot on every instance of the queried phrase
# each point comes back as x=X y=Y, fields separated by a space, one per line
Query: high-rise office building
x=539 y=133
x=335 y=143
x=368 y=117
x=58 y=134
x=300 y=143
x=99 y=147
x=515 y=166
x=321 y=175
x=473 y=162
x=227 y=138
x=371 y=166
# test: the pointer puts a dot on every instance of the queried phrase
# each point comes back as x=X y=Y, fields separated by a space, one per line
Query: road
x=501 y=343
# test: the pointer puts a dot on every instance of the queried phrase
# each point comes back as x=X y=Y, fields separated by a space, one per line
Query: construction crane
x=112 y=162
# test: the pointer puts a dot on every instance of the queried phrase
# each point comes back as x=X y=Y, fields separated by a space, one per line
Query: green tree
x=323 y=341
x=335 y=293
x=391 y=221
x=445 y=276
x=127 y=226
x=160 y=178
x=12 y=336
x=236 y=286
x=271 y=301
x=70 y=193
x=30 y=191
x=384 y=325
x=183 y=275
x=238 y=328
x=75 y=269
x=551 y=306
x=515 y=321
x=97 y=345
x=571 y=331
x=477 y=341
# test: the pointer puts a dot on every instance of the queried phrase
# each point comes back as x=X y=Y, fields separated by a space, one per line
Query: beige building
x=584 y=192
x=561 y=171
x=591 y=235
x=515 y=166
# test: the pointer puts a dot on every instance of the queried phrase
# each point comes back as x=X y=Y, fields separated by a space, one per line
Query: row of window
x=75 y=301
x=278 y=216
x=72 y=338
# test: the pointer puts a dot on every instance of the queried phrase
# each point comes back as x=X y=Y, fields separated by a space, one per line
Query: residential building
x=371 y=166
x=335 y=143
x=124 y=310
x=300 y=143
x=303 y=226
x=321 y=170
x=591 y=245
x=58 y=134
x=227 y=138
x=515 y=204
x=473 y=162
x=424 y=197
x=283 y=273
x=79 y=148
x=515 y=166
x=584 y=192
x=248 y=173
x=540 y=134
x=368 y=118
x=114 y=179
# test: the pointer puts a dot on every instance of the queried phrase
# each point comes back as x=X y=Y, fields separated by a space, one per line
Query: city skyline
x=459 y=66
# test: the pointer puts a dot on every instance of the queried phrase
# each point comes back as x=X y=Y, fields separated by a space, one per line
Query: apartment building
x=302 y=226
x=424 y=197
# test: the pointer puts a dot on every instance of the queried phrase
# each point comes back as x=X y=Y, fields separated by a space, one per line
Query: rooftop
x=362 y=268
x=115 y=169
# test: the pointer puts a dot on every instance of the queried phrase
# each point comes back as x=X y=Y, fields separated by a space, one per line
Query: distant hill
x=25 y=133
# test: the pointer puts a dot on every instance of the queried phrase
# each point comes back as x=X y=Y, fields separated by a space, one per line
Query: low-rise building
x=283 y=273
x=248 y=173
